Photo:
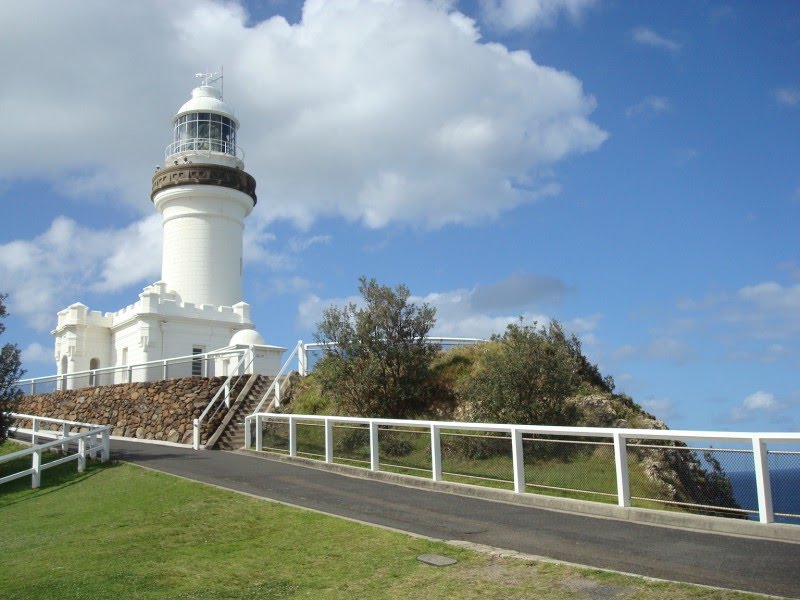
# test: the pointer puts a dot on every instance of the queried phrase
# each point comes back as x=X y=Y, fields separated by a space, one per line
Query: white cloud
x=456 y=315
x=376 y=111
x=759 y=400
x=533 y=14
x=36 y=353
x=755 y=405
x=648 y=37
x=787 y=96
x=649 y=106
x=44 y=274
x=298 y=244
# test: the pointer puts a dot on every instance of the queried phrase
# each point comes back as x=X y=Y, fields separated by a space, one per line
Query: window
x=204 y=131
x=93 y=364
x=197 y=363
x=124 y=357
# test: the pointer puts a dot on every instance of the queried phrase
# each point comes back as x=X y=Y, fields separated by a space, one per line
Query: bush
x=526 y=377
x=377 y=361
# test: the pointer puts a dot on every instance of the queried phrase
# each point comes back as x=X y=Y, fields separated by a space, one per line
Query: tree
x=526 y=377
x=10 y=372
x=377 y=361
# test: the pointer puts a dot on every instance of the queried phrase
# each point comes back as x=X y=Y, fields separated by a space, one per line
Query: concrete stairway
x=230 y=434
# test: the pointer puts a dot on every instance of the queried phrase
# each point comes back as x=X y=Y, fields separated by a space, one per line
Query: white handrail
x=164 y=362
x=619 y=438
x=226 y=387
x=275 y=385
x=62 y=440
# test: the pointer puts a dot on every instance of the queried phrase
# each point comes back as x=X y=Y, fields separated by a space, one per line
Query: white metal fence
x=90 y=439
x=207 y=364
x=611 y=465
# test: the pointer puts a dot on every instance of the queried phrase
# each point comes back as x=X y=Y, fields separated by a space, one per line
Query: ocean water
x=785 y=492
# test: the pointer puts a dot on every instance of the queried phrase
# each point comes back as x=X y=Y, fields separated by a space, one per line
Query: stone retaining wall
x=156 y=410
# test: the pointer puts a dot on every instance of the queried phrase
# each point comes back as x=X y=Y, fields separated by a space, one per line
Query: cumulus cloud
x=457 y=314
x=649 y=106
x=376 y=111
x=768 y=310
x=67 y=260
x=531 y=14
x=787 y=96
x=648 y=37
x=755 y=405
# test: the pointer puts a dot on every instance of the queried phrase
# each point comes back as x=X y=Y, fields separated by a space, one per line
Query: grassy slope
x=591 y=471
x=126 y=532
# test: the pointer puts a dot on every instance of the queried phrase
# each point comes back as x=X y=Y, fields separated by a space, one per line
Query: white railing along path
x=618 y=437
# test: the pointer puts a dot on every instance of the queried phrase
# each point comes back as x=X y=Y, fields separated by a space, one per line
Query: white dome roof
x=247 y=337
x=207 y=98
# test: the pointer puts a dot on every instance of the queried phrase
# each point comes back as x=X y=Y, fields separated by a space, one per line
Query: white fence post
x=247 y=440
x=196 y=434
x=259 y=434
x=227 y=393
x=34 y=428
x=164 y=371
x=292 y=436
x=81 y=454
x=328 y=441
x=763 y=485
x=105 y=452
x=302 y=359
x=621 y=467
x=130 y=374
x=64 y=434
x=374 y=454
x=436 y=452
x=518 y=460
x=36 y=476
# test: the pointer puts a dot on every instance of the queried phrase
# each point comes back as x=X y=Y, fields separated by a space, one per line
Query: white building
x=203 y=194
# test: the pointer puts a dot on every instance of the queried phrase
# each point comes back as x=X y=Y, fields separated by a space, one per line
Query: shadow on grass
x=52 y=480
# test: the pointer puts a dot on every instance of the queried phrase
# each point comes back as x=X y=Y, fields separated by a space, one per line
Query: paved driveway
x=713 y=559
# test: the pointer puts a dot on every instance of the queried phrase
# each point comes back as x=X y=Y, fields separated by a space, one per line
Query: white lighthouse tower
x=204 y=195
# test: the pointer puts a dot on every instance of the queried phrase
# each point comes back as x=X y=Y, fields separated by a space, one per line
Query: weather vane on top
x=210 y=78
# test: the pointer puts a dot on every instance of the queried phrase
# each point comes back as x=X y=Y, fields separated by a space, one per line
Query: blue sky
x=630 y=169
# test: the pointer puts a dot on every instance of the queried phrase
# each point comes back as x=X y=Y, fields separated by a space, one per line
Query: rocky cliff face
x=158 y=410
x=679 y=473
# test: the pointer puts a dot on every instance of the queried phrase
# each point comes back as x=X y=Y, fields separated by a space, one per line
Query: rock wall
x=157 y=410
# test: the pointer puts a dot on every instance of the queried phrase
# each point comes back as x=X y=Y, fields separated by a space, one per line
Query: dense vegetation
x=377 y=364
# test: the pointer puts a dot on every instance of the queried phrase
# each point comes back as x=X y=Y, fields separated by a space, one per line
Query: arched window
x=93 y=365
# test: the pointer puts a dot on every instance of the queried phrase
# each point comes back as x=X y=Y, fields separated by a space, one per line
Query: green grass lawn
x=122 y=531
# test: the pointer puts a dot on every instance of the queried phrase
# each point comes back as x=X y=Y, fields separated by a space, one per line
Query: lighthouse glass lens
x=205 y=131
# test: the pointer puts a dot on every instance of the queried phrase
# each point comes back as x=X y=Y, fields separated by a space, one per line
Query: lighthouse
x=203 y=195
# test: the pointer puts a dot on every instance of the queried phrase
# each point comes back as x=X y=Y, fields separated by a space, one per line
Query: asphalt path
x=734 y=562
